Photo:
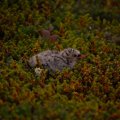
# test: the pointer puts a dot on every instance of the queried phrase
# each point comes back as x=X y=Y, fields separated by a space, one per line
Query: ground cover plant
x=89 y=92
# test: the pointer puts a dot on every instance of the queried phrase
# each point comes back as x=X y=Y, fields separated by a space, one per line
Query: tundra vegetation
x=91 y=91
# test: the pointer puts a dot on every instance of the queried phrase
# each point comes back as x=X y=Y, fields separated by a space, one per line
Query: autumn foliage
x=91 y=91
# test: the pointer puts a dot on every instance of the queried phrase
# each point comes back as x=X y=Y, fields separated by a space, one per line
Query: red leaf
x=83 y=56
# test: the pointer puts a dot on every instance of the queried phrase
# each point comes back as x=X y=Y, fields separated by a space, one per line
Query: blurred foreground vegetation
x=91 y=91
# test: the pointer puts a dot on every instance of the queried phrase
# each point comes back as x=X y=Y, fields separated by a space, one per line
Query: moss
x=89 y=91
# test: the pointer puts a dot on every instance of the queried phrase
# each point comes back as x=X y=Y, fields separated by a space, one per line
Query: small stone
x=53 y=38
x=38 y=71
x=45 y=33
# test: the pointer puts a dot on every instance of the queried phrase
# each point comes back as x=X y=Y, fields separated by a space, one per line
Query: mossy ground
x=89 y=92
